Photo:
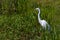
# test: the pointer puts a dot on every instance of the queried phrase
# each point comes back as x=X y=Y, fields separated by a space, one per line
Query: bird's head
x=37 y=9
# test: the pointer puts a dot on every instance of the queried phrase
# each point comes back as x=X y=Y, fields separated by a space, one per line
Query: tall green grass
x=18 y=19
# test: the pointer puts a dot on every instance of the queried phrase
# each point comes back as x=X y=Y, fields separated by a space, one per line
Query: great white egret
x=43 y=23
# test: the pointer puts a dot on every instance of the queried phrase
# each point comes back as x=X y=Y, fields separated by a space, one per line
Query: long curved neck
x=39 y=15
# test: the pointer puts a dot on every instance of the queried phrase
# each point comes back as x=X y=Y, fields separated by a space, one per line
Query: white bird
x=43 y=23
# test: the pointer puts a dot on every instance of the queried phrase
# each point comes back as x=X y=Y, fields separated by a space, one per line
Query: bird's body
x=43 y=23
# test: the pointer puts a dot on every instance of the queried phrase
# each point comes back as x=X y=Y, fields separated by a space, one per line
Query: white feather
x=43 y=23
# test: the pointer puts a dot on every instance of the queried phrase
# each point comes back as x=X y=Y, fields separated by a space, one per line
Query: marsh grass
x=18 y=19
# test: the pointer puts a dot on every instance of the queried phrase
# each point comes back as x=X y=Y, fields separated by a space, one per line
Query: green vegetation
x=18 y=19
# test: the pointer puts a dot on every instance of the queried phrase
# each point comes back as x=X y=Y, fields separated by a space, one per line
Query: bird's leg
x=44 y=28
x=48 y=27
